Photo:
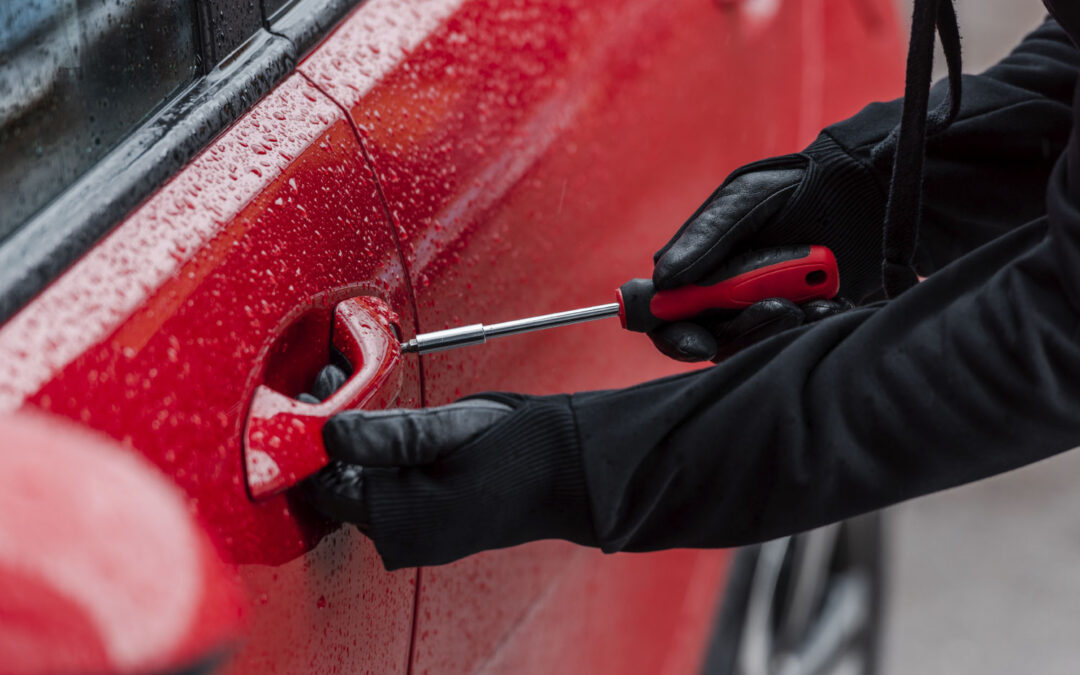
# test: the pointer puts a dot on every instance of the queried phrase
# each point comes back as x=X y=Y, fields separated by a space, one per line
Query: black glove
x=819 y=196
x=433 y=485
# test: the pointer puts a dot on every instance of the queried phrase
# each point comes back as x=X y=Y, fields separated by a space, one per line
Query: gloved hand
x=819 y=196
x=433 y=485
x=364 y=440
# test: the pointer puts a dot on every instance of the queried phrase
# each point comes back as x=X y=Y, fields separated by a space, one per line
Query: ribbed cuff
x=522 y=480
x=839 y=201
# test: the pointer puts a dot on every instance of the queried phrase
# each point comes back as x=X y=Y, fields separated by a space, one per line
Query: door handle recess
x=283 y=436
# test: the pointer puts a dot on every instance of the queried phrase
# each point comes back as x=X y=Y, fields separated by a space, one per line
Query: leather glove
x=433 y=485
x=819 y=196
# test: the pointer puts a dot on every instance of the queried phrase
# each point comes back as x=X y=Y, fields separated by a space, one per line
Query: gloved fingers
x=737 y=211
x=684 y=341
x=816 y=310
x=757 y=322
x=404 y=437
x=763 y=169
x=329 y=380
x=337 y=492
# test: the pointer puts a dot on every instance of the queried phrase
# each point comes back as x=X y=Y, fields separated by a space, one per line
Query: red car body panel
x=532 y=158
x=859 y=59
x=160 y=336
x=283 y=442
x=464 y=161
x=102 y=568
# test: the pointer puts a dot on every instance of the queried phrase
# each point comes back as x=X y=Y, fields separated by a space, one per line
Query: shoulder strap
x=904 y=206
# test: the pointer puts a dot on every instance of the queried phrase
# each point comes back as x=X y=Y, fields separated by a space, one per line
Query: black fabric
x=941 y=117
x=840 y=205
x=406 y=437
x=821 y=195
x=726 y=222
x=715 y=336
x=1068 y=13
x=987 y=172
x=905 y=187
x=973 y=372
x=521 y=480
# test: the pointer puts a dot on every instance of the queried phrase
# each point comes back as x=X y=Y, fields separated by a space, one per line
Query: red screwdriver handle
x=798 y=273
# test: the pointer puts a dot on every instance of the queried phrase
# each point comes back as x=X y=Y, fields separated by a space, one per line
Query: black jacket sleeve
x=987 y=173
x=971 y=373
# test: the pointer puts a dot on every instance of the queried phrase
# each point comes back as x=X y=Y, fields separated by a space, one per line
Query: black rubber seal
x=56 y=236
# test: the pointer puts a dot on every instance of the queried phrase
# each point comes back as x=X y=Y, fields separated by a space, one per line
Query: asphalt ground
x=986 y=578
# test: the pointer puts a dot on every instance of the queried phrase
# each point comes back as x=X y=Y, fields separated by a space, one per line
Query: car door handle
x=283 y=436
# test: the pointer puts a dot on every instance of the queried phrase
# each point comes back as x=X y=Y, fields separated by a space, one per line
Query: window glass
x=272 y=7
x=76 y=76
x=234 y=22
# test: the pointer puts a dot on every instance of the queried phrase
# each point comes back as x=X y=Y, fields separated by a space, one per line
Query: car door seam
x=388 y=218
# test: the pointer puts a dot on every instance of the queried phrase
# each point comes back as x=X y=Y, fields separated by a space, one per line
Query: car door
x=516 y=145
x=854 y=55
x=533 y=154
x=221 y=285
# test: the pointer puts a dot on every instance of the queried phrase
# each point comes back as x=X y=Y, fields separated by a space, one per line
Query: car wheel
x=803 y=605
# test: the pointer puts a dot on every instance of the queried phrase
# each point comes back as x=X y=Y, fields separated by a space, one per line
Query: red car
x=197 y=192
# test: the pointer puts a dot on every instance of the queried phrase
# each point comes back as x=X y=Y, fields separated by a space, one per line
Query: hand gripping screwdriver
x=798 y=273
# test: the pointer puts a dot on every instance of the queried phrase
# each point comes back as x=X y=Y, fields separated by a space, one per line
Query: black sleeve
x=973 y=372
x=987 y=173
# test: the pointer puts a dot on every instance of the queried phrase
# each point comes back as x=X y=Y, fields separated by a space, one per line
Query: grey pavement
x=986 y=578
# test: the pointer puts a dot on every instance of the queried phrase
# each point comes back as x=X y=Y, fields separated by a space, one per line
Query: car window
x=76 y=76
x=272 y=7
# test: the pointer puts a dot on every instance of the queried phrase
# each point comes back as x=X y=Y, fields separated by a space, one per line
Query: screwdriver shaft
x=477 y=334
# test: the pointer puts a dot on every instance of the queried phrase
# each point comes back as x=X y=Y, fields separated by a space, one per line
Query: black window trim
x=60 y=233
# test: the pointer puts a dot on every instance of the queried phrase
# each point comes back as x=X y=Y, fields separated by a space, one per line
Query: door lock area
x=283 y=435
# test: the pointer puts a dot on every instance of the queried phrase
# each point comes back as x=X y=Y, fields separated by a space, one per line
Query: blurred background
x=986 y=578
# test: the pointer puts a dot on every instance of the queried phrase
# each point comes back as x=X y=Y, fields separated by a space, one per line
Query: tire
x=804 y=605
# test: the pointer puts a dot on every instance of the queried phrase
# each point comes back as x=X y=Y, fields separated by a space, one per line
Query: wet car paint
x=283 y=442
x=532 y=155
x=855 y=56
x=102 y=568
x=159 y=337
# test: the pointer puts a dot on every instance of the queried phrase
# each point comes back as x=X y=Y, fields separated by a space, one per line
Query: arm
x=987 y=173
x=973 y=372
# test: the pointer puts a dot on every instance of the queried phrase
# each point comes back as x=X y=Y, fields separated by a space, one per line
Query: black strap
x=904 y=207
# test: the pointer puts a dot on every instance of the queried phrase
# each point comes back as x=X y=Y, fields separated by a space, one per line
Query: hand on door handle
x=283 y=437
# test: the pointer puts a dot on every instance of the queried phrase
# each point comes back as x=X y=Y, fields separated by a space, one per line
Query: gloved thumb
x=684 y=341
x=735 y=212
x=404 y=437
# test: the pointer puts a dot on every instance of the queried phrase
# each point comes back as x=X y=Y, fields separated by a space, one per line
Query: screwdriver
x=797 y=273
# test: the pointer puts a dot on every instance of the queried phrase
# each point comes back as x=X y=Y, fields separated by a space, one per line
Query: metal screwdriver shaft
x=798 y=273
x=478 y=333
